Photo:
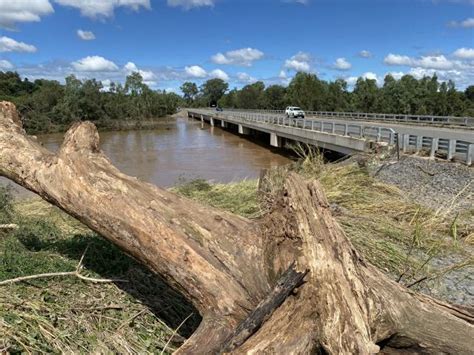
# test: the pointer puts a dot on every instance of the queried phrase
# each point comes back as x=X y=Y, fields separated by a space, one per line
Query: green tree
x=365 y=96
x=307 y=91
x=190 y=91
x=213 y=90
x=274 y=97
x=251 y=96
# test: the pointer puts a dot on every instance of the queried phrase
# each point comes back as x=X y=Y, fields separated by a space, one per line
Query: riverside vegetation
x=143 y=315
x=50 y=106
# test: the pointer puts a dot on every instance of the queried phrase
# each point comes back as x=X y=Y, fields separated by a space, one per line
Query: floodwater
x=182 y=151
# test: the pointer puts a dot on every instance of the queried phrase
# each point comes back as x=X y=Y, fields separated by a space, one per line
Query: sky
x=239 y=41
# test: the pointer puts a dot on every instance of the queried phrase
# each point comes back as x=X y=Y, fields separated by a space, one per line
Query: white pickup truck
x=293 y=112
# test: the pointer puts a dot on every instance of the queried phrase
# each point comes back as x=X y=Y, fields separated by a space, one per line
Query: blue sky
x=240 y=41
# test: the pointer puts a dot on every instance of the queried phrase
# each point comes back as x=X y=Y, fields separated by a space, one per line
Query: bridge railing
x=421 y=119
x=355 y=130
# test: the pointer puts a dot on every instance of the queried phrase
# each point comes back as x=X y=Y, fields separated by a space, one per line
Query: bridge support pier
x=211 y=121
x=470 y=154
x=275 y=141
x=244 y=130
x=202 y=118
x=434 y=147
x=451 y=149
x=419 y=143
x=405 y=142
x=223 y=124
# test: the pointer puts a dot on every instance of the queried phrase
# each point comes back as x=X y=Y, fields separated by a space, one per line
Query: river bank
x=111 y=125
x=414 y=243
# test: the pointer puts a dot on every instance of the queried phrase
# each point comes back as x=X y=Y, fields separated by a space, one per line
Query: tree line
x=49 y=106
x=408 y=95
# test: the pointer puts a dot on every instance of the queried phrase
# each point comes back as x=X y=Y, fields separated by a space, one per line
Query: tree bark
x=227 y=265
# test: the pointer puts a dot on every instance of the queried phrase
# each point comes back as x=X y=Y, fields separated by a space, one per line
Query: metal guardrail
x=447 y=148
x=355 y=130
x=402 y=118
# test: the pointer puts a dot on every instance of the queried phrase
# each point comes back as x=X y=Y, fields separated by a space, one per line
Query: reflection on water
x=185 y=150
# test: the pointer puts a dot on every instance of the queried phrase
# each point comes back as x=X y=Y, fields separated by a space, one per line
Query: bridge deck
x=349 y=136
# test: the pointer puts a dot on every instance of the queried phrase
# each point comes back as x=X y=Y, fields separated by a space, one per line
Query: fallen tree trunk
x=227 y=265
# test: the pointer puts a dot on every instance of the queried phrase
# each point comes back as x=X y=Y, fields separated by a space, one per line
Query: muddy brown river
x=184 y=150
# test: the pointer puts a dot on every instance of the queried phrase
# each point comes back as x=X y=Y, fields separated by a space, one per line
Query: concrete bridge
x=348 y=136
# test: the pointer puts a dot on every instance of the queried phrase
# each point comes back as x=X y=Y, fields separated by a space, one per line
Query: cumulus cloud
x=195 y=71
x=427 y=62
x=219 y=74
x=352 y=80
x=12 y=12
x=467 y=23
x=94 y=64
x=85 y=35
x=342 y=64
x=458 y=67
x=299 y=62
x=365 y=54
x=148 y=76
x=103 y=8
x=189 y=4
x=10 y=45
x=245 y=78
x=396 y=59
x=5 y=65
x=464 y=53
x=243 y=57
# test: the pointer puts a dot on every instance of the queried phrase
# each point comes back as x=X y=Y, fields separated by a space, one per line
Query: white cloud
x=299 y=62
x=342 y=64
x=148 y=76
x=85 y=35
x=103 y=8
x=13 y=11
x=244 y=57
x=427 y=62
x=219 y=74
x=467 y=23
x=94 y=64
x=396 y=75
x=245 y=78
x=396 y=59
x=10 y=45
x=282 y=74
x=189 y=4
x=371 y=76
x=434 y=62
x=195 y=71
x=352 y=80
x=458 y=67
x=365 y=54
x=464 y=53
x=5 y=65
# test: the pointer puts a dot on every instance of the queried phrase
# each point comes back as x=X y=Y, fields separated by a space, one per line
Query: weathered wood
x=288 y=281
x=226 y=265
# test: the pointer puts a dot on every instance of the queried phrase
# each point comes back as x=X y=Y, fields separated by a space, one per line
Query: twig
x=132 y=318
x=58 y=274
x=174 y=333
x=75 y=273
x=425 y=171
x=9 y=226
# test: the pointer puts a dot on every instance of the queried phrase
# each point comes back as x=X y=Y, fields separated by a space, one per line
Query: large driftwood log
x=227 y=265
